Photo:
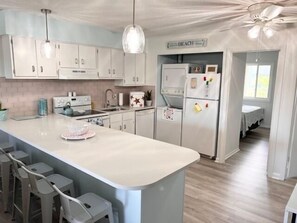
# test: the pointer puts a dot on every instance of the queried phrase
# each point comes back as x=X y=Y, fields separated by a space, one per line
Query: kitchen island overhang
x=143 y=178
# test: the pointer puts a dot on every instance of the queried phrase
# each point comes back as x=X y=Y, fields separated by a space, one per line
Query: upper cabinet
x=22 y=59
x=110 y=63
x=134 y=70
x=77 y=56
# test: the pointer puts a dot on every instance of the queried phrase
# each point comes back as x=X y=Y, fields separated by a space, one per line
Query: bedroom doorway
x=257 y=101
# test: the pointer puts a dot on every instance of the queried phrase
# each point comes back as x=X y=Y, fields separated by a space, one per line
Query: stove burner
x=85 y=113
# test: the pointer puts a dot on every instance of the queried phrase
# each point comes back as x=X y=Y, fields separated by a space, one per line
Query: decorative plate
x=68 y=136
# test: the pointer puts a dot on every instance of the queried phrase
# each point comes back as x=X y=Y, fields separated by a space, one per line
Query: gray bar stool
x=21 y=176
x=87 y=208
x=5 y=164
x=39 y=186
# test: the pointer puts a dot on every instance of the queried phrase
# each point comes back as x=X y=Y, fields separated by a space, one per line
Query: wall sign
x=187 y=43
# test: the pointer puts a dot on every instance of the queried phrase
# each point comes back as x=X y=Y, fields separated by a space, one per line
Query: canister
x=42 y=107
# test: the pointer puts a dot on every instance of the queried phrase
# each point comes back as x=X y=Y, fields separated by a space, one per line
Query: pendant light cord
x=133 y=13
x=46 y=11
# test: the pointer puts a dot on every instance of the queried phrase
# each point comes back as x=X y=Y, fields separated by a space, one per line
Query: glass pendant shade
x=268 y=32
x=47 y=49
x=133 y=39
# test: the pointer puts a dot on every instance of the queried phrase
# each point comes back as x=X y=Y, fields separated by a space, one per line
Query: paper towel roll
x=120 y=99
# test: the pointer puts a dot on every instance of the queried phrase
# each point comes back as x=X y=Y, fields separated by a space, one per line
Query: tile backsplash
x=21 y=96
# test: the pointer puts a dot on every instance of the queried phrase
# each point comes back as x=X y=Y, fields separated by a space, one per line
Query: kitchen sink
x=112 y=109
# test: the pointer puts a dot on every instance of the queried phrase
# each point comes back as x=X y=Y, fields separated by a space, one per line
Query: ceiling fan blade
x=253 y=33
x=249 y=22
x=288 y=19
x=271 y=12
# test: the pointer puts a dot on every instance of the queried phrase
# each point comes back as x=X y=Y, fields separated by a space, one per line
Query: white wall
x=235 y=41
x=269 y=57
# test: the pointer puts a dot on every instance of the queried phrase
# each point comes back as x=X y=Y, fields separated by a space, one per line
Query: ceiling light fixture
x=133 y=39
x=47 y=49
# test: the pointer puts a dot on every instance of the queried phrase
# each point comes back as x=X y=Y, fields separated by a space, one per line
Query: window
x=257 y=81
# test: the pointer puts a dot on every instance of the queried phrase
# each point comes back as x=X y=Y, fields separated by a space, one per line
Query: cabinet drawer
x=116 y=118
x=128 y=115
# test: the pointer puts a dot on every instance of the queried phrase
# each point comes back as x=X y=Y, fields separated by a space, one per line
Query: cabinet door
x=117 y=60
x=140 y=69
x=129 y=126
x=24 y=57
x=87 y=57
x=104 y=62
x=129 y=69
x=68 y=55
x=46 y=67
x=116 y=125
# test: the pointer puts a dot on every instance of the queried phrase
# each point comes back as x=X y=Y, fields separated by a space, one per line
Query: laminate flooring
x=237 y=191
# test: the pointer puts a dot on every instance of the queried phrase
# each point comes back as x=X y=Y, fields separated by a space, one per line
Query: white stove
x=82 y=109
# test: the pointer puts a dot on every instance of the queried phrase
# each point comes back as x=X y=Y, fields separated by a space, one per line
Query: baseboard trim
x=231 y=153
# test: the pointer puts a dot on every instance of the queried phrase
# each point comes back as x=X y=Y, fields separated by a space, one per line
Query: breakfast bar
x=143 y=178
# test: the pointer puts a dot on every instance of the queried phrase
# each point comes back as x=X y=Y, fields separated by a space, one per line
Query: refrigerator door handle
x=186 y=87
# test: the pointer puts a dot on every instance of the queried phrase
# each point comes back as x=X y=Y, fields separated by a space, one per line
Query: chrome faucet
x=107 y=103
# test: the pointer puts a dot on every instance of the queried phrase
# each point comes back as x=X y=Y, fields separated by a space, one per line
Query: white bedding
x=250 y=115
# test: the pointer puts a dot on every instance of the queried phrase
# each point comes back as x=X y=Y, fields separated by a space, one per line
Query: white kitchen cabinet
x=110 y=63
x=134 y=70
x=22 y=59
x=145 y=123
x=77 y=56
x=123 y=121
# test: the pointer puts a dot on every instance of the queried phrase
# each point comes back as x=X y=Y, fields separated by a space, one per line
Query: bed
x=251 y=118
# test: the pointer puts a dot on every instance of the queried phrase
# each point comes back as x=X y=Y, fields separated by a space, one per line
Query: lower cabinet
x=123 y=121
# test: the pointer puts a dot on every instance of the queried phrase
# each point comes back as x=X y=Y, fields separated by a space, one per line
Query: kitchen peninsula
x=143 y=178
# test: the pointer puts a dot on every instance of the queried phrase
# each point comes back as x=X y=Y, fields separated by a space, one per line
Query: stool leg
x=61 y=215
x=5 y=171
x=110 y=214
x=14 y=197
x=25 y=198
x=46 y=209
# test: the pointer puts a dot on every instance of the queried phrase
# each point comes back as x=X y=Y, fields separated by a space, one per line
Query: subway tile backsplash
x=21 y=96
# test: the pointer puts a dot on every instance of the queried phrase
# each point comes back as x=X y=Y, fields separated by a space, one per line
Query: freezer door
x=169 y=124
x=203 y=86
x=199 y=129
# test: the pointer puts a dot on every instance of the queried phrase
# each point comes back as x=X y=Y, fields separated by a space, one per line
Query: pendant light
x=133 y=37
x=47 y=49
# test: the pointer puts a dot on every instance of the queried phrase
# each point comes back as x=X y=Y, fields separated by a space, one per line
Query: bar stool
x=22 y=177
x=40 y=187
x=87 y=208
x=5 y=164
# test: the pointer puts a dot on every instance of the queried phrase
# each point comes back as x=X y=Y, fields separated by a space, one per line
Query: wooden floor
x=237 y=191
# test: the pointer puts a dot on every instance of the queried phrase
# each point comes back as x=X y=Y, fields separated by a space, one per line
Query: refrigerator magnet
x=193 y=83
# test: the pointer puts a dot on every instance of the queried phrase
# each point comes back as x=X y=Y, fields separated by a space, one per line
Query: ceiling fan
x=265 y=16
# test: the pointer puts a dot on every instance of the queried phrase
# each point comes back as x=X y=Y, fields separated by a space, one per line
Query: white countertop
x=120 y=159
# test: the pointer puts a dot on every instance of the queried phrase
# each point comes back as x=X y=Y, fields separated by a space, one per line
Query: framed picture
x=211 y=69
x=197 y=69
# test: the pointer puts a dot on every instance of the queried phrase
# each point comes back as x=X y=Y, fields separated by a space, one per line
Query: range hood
x=68 y=73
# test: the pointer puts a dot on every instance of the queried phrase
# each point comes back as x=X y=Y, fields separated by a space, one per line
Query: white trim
x=232 y=153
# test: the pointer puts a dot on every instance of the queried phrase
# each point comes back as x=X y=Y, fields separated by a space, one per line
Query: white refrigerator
x=200 y=113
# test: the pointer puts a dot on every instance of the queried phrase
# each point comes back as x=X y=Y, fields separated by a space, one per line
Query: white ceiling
x=157 y=17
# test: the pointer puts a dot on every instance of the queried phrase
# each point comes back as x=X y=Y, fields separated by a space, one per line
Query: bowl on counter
x=77 y=129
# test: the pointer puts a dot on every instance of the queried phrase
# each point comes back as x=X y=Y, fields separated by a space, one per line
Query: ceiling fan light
x=47 y=49
x=253 y=33
x=133 y=39
x=268 y=32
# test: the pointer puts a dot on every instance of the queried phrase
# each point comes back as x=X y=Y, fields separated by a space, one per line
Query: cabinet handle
x=133 y=78
x=33 y=68
x=76 y=61
x=108 y=71
x=82 y=61
x=113 y=71
x=120 y=127
x=137 y=79
x=125 y=126
x=41 y=69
